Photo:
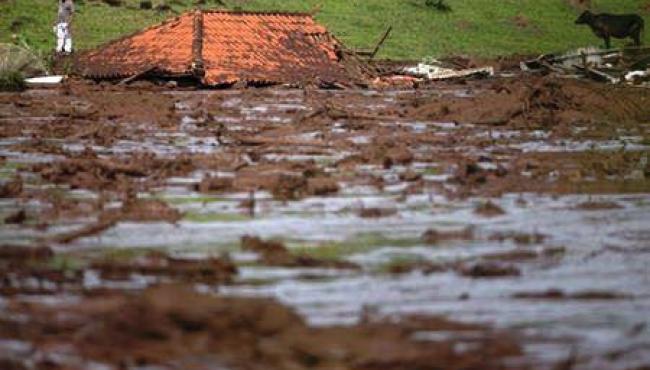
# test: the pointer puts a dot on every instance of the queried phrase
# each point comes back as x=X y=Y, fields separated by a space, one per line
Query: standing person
x=62 y=28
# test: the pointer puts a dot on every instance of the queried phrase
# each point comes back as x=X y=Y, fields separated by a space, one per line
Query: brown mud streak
x=157 y=264
x=541 y=102
x=38 y=270
x=20 y=264
x=113 y=173
x=173 y=323
x=170 y=323
x=274 y=253
x=136 y=210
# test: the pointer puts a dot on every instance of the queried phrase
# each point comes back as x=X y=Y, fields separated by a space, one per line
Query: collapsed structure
x=221 y=48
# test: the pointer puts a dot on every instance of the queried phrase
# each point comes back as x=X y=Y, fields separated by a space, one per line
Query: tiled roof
x=222 y=47
x=167 y=47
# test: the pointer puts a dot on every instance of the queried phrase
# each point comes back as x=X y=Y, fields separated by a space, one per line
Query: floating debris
x=433 y=69
x=615 y=66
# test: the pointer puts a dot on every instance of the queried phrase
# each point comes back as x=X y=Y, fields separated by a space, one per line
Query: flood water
x=579 y=282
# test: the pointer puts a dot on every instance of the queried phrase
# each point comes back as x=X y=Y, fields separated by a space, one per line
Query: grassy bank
x=474 y=27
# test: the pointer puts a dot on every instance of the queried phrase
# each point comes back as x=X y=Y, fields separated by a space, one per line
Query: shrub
x=438 y=5
x=20 y=59
x=11 y=80
x=16 y=63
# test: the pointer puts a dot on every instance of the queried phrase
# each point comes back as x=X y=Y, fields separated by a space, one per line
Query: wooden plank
x=135 y=76
x=381 y=42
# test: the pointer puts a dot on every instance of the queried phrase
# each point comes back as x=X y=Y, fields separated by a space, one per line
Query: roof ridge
x=257 y=12
x=198 y=65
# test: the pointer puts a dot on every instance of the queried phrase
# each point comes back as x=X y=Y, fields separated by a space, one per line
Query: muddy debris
x=376 y=212
x=410 y=176
x=433 y=236
x=538 y=102
x=27 y=270
x=148 y=210
x=320 y=186
x=106 y=134
x=489 y=270
x=561 y=295
x=274 y=253
x=84 y=174
x=61 y=207
x=285 y=181
x=12 y=189
x=397 y=155
x=519 y=238
x=210 y=184
x=133 y=209
x=489 y=209
x=39 y=280
x=112 y=174
x=471 y=173
x=24 y=253
x=11 y=364
x=171 y=322
x=386 y=153
x=288 y=187
x=591 y=172
x=209 y=270
x=17 y=218
x=394 y=152
x=103 y=223
x=525 y=254
x=597 y=206
x=38 y=146
x=422 y=266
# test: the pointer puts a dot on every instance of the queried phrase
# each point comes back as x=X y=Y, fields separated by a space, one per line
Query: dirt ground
x=153 y=228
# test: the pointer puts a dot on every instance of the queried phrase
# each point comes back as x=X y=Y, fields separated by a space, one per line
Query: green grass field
x=474 y=27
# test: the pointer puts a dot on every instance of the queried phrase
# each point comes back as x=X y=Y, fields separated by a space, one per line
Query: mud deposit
x=492 y=224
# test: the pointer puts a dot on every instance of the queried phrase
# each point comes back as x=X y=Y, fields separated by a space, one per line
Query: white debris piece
x=593 y=56
x=433 y=70
x=44 y=80
x=637 y=75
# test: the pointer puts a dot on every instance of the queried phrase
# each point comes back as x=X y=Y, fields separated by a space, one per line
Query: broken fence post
x=381 y=42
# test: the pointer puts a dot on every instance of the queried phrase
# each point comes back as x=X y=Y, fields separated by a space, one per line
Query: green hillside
x=474 y=27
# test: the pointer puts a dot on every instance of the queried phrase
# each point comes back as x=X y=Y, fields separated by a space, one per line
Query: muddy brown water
x=513 y=206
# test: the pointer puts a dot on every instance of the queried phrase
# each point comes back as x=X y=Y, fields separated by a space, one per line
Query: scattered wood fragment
x=381 y=42
x=89 y=230
x=371 y=53
x=130 y=79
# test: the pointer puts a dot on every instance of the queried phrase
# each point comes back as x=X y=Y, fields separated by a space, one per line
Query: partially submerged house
x=221 y=48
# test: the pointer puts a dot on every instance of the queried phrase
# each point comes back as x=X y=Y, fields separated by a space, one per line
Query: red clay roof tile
x=230 y=47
